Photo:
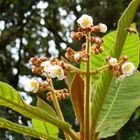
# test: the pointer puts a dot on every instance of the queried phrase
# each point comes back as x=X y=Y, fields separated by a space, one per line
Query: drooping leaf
x=106 y=77
x=24 y=130
x=77 y=95
x=42 y=126
x=9 y=97
x=122 y=100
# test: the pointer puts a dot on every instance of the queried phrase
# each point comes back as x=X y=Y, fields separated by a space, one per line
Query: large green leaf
x=119 y=105
x=24 y=130
x=42 y=126
x=9 y=97
x=106 y=78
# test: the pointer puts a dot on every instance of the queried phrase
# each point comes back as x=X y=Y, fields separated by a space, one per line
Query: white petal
x=128 y=68
x=77 y=56
x=103 y=27
x=56 y=71
x=112 y=61
x=33 y=85
x=85 y=21
x=46 y=64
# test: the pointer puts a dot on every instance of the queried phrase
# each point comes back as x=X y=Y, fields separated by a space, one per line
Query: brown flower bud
x=101 y=49
x=116 y=67
x=42 y=59
x=110 y=67
x=107 y=58
x=84 y=46
x=125 y=58
x=97 y=51
x=98 y=41
x=76 y=35
x=91 y=39
x=95 y=29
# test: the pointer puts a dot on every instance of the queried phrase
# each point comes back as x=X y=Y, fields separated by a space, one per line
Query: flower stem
x=87 y=96
x=60 y=115
x=103 y=68
x=77 y=70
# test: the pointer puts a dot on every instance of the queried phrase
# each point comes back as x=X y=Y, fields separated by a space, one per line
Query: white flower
x=46 y=64
x=103 y=27
x=120 y=78
x=33 y=85
x=128 y=68
x=56 y=71
x=85 y=21
x=112 y=61
x=77 y=56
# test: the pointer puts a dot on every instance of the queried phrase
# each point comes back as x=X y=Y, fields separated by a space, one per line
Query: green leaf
x=106 y=78
x=119 y=105
x=24 y=130
x=124 y=22
x=42 y=126
x=77 y=95
x=9 y=97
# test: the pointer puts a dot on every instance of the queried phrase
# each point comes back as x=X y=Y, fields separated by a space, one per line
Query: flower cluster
x=54 y=68
x=51 y=68
x=86 y=26
x=122 y=68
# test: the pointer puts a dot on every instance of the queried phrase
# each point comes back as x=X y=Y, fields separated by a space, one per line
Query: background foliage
x=40 y=28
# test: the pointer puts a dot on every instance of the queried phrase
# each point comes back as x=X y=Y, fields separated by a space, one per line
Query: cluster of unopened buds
x=54 y=68
x=60 y=94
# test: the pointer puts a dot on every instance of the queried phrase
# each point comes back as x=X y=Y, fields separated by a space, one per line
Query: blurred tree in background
x=42 y=28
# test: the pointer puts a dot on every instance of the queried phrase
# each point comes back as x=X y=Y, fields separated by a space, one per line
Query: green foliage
x=105 y=82
x=24 y=129
x=42 y=126
x=121 y=101
x=9 y=97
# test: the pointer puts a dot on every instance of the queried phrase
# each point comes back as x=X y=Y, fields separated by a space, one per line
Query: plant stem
x=60 y=115
x=103 y=68
x=87 y=96
x=77 y=70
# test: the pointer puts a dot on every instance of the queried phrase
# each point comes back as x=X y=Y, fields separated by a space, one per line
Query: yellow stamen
x=128 y=67
x=57 y=71
x=85 y=21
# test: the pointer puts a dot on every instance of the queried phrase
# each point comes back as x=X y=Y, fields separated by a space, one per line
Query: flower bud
x=107 y=58
x=125 y=58
x=101 y=49
x=112 y=61
x=102 y=27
